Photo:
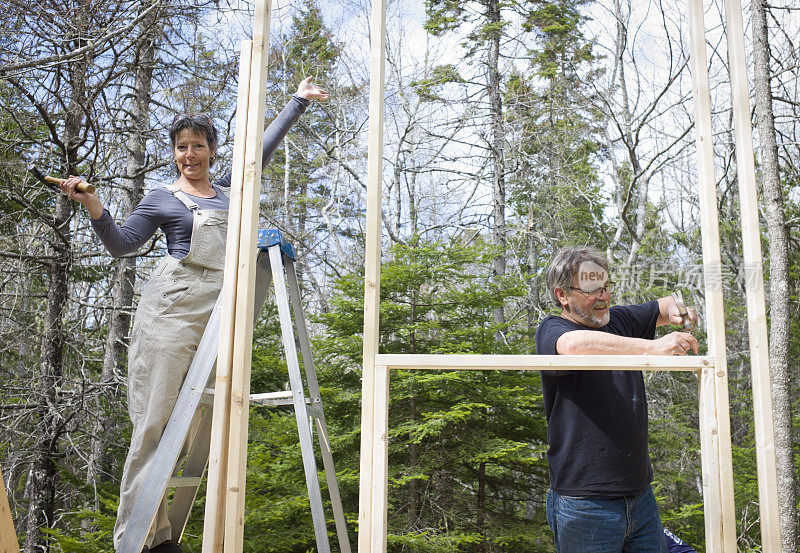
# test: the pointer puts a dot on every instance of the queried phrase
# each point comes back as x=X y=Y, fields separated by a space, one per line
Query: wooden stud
x=8 y=535
x=754 y=282
x=715 y=431
x=245 y=286
x=545 y=362
x=380 y=461
x=372 y=263
x=709 y=461
x=217 y=463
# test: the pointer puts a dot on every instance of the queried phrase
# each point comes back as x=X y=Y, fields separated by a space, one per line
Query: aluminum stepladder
x=182 y=454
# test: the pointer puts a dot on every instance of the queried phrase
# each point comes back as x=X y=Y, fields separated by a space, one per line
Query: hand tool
x=55 y=182
x=688 y=324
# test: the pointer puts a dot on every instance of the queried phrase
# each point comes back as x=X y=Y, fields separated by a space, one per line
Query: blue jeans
x=600 y=524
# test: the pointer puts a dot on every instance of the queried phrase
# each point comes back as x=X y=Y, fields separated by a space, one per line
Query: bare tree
x=51 y=420
x=778 y=277
x=100 y=466
x=639 y=143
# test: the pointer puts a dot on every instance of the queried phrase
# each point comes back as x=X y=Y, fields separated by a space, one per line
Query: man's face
x=587 y=301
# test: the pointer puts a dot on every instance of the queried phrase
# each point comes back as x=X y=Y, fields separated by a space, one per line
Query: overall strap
x=183 y=197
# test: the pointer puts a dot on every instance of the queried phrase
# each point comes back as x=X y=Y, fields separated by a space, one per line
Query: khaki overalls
x=170 y=319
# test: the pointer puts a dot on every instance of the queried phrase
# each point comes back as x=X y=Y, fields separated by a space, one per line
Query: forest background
x=513 y=128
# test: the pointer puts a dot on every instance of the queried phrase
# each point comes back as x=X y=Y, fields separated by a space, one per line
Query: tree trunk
x=100 y=462
x=42 y=483
x=779 y=281
x=414 y=487
x=497 y=139
x=481 y=516
x=531 y=268
x=43 y=473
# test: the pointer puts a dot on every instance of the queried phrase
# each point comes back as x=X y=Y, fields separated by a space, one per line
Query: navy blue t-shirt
x=597 y=420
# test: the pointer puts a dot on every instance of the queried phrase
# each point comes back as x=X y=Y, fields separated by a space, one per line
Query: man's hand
x=668 y=313
x=674 y=343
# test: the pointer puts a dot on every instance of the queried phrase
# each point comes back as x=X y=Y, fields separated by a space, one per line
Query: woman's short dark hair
x=565 y=266
x=199 y=123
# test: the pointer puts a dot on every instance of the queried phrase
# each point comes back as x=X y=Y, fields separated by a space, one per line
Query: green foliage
x=307 y=50
x=562 y=44
x=439 y=75
x=96 y=527
x=450 y=432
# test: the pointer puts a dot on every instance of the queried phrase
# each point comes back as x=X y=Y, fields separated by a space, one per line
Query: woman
x=180 y=294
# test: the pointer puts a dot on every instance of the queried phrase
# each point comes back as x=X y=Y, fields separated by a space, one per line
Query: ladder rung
x=207 y=398
x=273 y=399
x=269 y=399
x=184 y=481
x=271 y=395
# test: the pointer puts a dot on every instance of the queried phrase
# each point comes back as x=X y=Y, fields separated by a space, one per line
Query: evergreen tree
x=300 y=185
x=466 y=448
x=555 y=188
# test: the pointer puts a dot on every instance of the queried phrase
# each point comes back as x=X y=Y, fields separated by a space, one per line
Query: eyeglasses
x=597 y=292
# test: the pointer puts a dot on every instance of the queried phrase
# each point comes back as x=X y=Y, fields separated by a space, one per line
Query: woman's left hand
x=308 y=90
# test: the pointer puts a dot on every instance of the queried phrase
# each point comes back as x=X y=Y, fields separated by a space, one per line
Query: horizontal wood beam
x=545 y=362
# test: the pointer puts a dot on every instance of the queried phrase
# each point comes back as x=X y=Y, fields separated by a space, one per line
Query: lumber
x=545 y=362
x=380 y=461
x=8 y=535
x=218 y=456
x=714 y=409
x=372 y=269
x=754 y=283
x=245 y=286
x=709 y=462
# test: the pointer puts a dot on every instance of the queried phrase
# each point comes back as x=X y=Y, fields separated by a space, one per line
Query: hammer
x=55 y=182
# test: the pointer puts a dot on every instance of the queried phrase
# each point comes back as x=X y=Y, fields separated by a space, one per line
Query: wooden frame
x=228 y=455
x=720 y=522
x=754 y=282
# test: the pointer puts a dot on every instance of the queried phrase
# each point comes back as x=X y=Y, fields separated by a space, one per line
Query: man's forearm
x=592 y=342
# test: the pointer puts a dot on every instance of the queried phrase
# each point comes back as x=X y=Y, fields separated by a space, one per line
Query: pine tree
x=466 y=448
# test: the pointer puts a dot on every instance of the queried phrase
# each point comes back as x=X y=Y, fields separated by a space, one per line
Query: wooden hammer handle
x=82 y=186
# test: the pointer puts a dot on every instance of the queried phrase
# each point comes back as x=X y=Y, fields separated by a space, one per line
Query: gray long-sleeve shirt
x=161 y=209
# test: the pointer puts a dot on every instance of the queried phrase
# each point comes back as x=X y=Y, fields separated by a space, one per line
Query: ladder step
x=287 y=394
x=184 y=481
x=274 y=399
x=270 y=399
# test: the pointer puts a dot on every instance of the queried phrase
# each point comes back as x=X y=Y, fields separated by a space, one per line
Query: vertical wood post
x=213 y=522
x=380 y=461
x=245 y=286
x=754 y=282
x=8 y=536
x=715 y=435
x=228 y=455
x=372 y=267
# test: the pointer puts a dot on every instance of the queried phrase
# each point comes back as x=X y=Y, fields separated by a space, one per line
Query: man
x=600 y=499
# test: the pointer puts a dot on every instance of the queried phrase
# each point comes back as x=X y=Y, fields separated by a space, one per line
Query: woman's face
x=192 y=155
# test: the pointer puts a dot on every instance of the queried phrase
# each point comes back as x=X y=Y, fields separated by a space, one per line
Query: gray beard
x=596 y=322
